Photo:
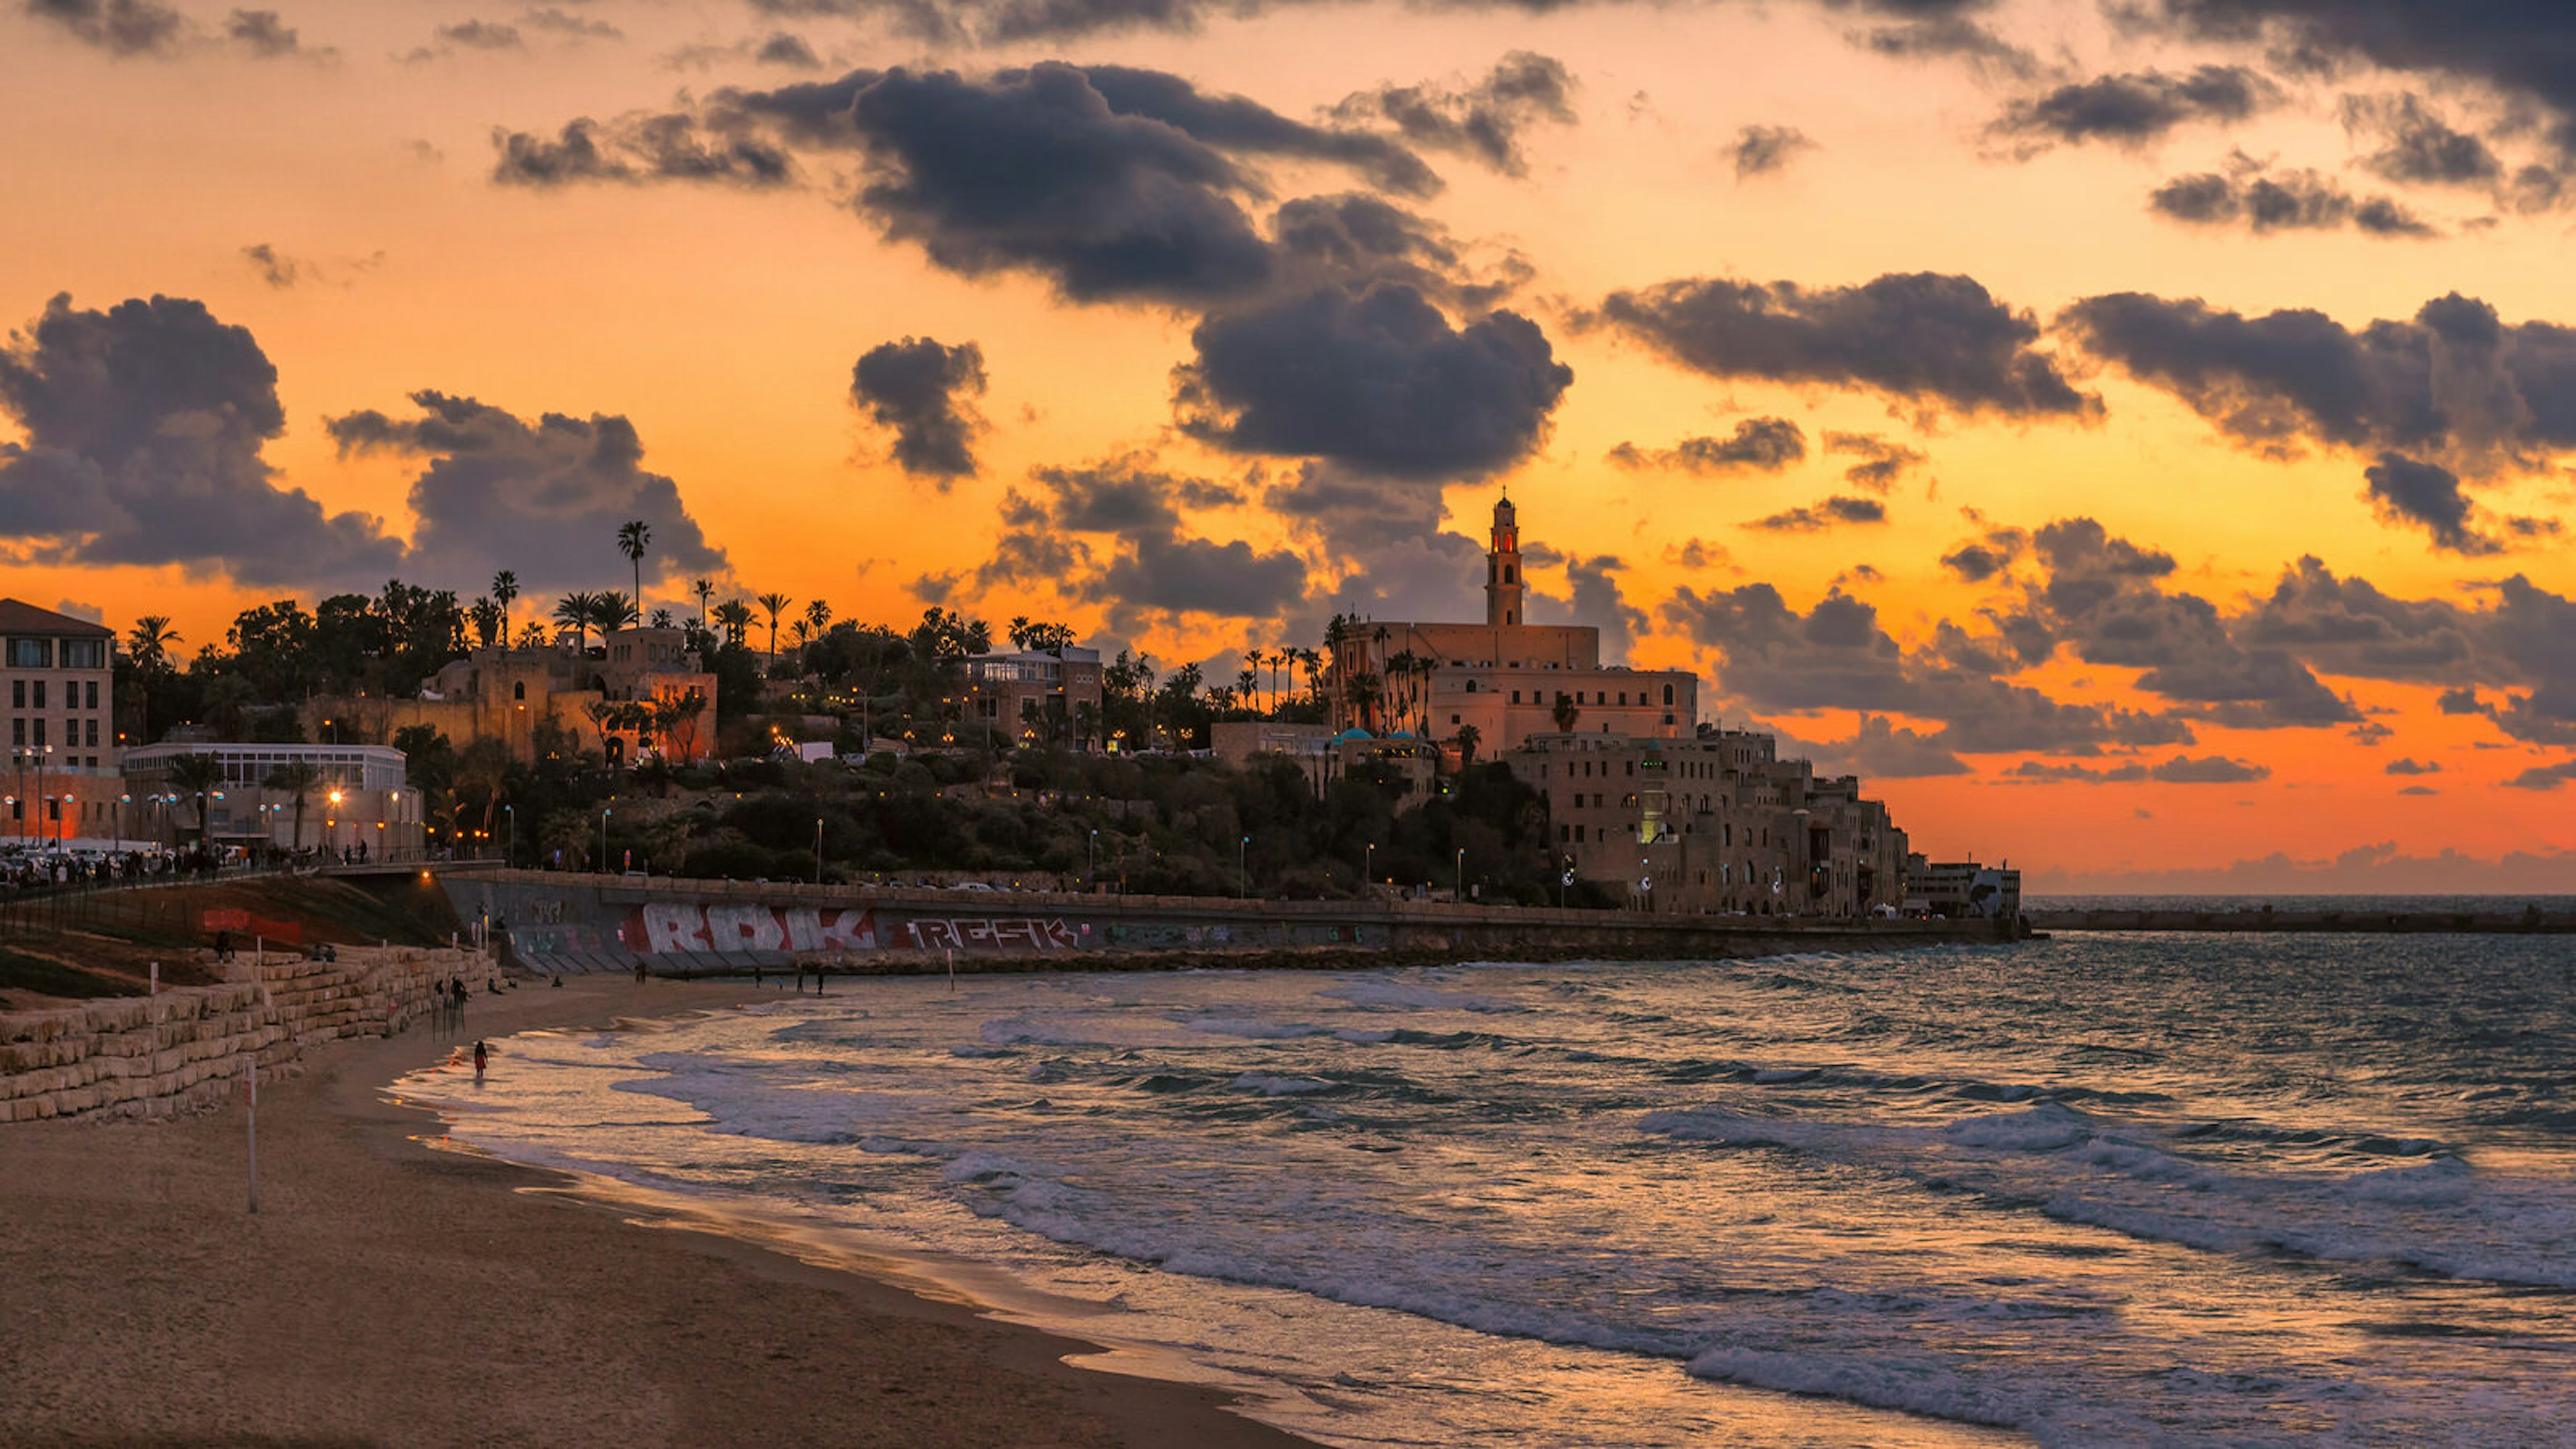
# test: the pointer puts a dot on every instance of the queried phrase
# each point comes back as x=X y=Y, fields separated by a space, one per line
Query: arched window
x=1471 y=686
x=1668 y=696
x=1508 y=574
x=519 y=690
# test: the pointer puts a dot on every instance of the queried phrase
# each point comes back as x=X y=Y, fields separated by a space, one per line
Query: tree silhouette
x=297 y=777
x=775 y=604
x=505 y=591
x=631 y=540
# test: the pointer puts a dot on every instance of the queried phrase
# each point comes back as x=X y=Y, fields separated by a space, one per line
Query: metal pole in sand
x=156 y=978
x=250 y=1079
x=952 y=968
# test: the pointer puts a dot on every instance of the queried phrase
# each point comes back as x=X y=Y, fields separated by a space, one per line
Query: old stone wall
x=183 y=1049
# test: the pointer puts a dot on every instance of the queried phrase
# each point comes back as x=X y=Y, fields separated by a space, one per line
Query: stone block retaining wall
x=182 y=1050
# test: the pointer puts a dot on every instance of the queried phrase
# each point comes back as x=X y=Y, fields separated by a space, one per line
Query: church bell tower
x=1503 y=568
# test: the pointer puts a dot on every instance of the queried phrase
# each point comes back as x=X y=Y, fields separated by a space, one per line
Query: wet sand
x=388 y=1292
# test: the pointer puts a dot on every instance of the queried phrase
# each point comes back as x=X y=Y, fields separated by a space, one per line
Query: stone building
x=1507 y=678
x=1035 y=695
x=506 y=694
x=60 y=675
x=1713 y=824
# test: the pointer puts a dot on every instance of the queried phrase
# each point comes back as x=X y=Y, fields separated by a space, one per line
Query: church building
x=1505 y=678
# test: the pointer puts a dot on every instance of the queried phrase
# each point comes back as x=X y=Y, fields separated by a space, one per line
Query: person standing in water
x=480 y=1058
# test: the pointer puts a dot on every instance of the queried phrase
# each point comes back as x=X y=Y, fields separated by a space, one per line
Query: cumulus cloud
x=2427 y=495
x=2544 y=777
x=1942 y=342
x=2416 y=146
x=637 y=149
x=144 y=426
x=2180 y=770
x=1764 y=445
x=2412 y=767
x=2133 y=109
x=543 y=497
x=1767 y=150
x=1110 y=533
x=1373 y=376
x=1881 y=462
x=2265 y=201
x=922 y=392
x=119 y=27
x=1882 y=749
x=1485 y=120
x=263 y=34
x=1819 y=517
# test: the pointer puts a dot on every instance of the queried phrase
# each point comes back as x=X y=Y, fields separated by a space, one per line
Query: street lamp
x=818 y=850
x=333 y=824
x=1089 y=842
x=603 y=839
x=1462 y=875
x=1368 y=869
x=511 y=813
x=1243 y=868
x=121 y=802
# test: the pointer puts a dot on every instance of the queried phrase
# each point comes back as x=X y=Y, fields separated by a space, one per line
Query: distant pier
x=2531 y=921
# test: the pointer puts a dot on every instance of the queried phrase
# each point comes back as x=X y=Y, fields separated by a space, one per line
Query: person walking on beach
x=480 y=1057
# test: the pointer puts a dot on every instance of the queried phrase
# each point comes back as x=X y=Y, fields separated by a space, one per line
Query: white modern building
x=359 y=798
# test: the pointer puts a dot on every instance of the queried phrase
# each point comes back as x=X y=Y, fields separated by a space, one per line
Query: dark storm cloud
x=1353 y=237
x=1374 y=377
x=1110 y=534
x=2428 y=495
x=119 y=27
x=2523 y=48
x=1836 y=656
x=543 y=498
x=2454 y=382
x=2281 y=201
x=1758 y=444
x=1939 y=341
x=2416 y=146
x=1828 y=514
x=144 y=426
x=636 y=149
x=1114 y=183
x=921 y=391
x=1881 y=462
x=2104 y=597
x=2133 y=109
x=1484 y=120
x=263 y=34
x=1764 y=150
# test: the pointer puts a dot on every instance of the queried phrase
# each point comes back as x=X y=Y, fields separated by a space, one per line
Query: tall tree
x=775 y=604
x=818 y=616
x=490 y=623
x=611 y=610
x=705 y=589
x=632 y=537
x=150 y=639
x=734 y=616
x=574 y=611
x=505 y=591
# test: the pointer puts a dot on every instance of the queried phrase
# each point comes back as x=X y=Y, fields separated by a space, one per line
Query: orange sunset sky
x=2133 y=436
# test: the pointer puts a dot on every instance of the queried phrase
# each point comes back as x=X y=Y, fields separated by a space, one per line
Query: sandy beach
x=388 y=1292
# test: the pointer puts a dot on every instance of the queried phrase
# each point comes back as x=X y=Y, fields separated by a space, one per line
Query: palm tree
x=150 y=640
x=489 y=622
x=819 y=615
x=505 y=591
x=574 y=611
x=631 y=539
x=297 y=777
x=611 y=610
x=1468 y=738
x=705 y=589
x=661 y=618
x=774 y=603
x=735 y=616
x=197 y=776
x=1312 y=661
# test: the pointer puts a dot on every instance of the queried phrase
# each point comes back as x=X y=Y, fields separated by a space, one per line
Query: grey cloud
x=119 y=27
x=1374 y=377
x=1940 y=341
x=1758 y=444
x=2544 y=777
x=2418 y=147
x=2428 y=495
x=920 y=390
x=265 y=35
x=1881 y=749
x=2282 y=201
x=1485 y=120
x=1827 y=514
x=2133 y=109
x=275 y=267
x=1881 y=462
x=637 y=149
x=2413 y=767
x=1141 y=562
x=2180 y=770
x=543 y=497
x=554 y=20
x=1766 y=150
x=791 y=51
x=144 y=427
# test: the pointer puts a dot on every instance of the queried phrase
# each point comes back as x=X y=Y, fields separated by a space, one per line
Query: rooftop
x=20 y=617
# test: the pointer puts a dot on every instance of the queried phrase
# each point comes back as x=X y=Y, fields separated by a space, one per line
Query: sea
x=2092 y=1190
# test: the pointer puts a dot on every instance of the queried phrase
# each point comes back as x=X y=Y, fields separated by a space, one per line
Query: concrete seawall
x=571 y=923
x=147 y=1056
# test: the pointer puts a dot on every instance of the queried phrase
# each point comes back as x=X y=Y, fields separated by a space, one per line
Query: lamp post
x=1462 y=876
x=121 y=802
x=510 y=813
x=1089 y=843
x=603 y=839
x=1368 y=869
x=818 y=850
x=1243 y=868
x=333 y=824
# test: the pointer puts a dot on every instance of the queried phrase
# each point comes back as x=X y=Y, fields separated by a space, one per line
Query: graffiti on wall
x=662 y=927
x=985 y=933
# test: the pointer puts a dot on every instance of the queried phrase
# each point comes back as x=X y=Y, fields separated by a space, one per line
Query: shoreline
x=394 y=1290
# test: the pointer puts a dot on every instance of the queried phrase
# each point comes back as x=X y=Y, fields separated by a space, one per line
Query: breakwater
x=556 y=922
x=2531 y=920
x=184 y=1048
